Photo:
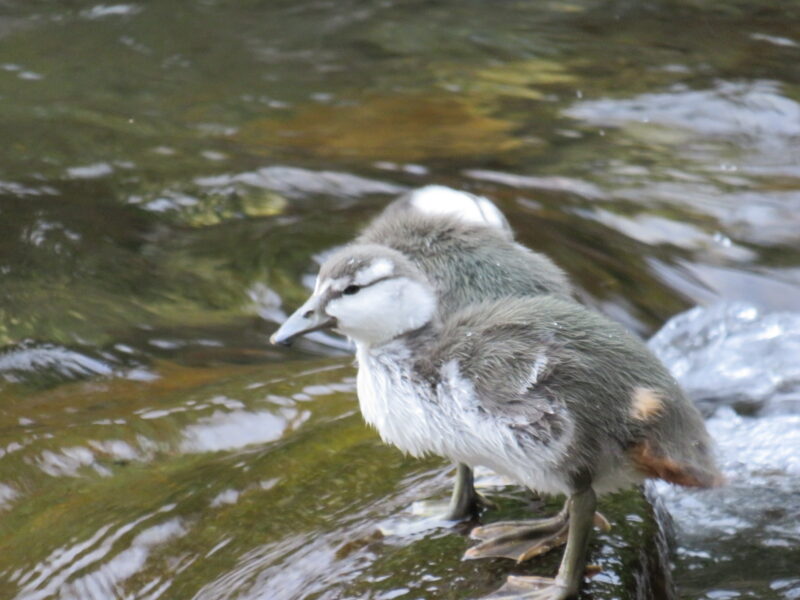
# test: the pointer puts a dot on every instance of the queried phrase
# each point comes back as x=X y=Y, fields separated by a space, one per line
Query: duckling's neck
x=419 y=338
x=389 y=395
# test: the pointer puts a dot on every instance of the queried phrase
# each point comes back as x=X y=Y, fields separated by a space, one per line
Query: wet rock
x=741 y=365
x=734 y=354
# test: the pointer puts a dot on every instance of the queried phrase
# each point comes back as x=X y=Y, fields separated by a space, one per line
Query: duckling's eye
x=351 y=289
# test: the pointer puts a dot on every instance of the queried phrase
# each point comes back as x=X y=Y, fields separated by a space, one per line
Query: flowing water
x=171 y=173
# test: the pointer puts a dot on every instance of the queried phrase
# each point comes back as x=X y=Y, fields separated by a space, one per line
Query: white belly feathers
x=446 y=420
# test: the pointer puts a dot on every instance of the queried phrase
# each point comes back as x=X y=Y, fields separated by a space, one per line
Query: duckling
x=539 y=389
x=464 y=245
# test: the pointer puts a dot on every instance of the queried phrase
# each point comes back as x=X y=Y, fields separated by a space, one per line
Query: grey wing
x=525 y=401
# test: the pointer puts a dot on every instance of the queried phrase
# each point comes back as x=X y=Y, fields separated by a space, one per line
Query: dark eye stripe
x=354 y=289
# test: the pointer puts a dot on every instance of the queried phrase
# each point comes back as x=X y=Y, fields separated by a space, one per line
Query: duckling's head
x=369 y=293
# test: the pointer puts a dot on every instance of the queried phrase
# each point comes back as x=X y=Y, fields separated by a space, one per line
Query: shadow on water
x=172 y=174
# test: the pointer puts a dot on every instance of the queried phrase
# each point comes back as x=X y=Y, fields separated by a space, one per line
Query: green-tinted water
x=169 y=172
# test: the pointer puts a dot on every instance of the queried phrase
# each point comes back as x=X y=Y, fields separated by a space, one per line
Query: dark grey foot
x=520 y=540
x=465 y=502
x=523 y=540
x=532 y=588
x=524 y=529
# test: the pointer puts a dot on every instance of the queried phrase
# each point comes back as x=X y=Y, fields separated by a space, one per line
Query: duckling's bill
x=304 y=320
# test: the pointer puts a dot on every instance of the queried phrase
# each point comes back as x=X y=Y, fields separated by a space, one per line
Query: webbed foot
x=576 y=521
x=518 y=587
x=519 y=540
x=522 y=540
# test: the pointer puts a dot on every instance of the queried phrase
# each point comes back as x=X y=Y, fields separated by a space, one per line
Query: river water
x=171 y=173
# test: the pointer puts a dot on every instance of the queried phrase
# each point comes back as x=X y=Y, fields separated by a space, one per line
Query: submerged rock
x=30 y=362
x=411 y=128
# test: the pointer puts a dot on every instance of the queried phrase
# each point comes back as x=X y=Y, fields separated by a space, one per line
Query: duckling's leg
x=465 y=502
x=570 y=574
x=522 y=540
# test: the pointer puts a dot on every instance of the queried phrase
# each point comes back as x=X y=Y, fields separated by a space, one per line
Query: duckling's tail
x=700 y=472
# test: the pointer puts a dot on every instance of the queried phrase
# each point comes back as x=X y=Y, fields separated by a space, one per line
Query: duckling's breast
x=448 y=419
x=401 y=409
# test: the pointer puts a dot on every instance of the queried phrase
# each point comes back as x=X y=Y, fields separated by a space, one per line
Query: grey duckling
x=546 y=392
x=464 y=245
x=468 y=258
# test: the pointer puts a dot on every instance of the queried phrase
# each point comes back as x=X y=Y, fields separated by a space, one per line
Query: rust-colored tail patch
x=652 y=465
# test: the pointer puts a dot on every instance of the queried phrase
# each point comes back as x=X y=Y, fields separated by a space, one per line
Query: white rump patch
x=378 y=269
x=441 y=200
